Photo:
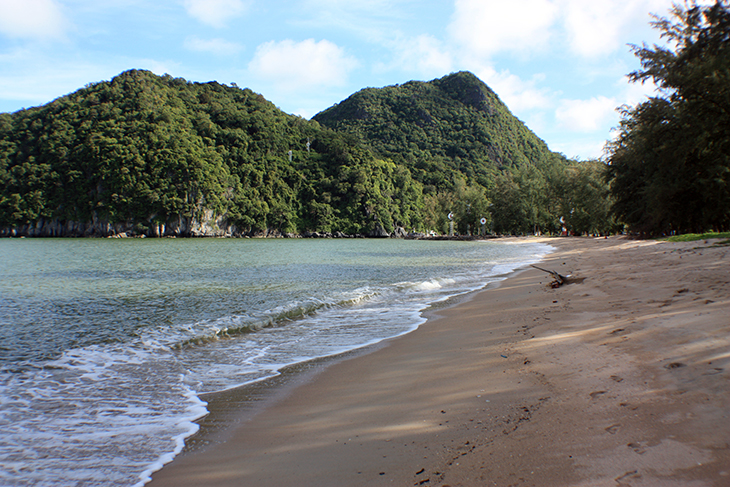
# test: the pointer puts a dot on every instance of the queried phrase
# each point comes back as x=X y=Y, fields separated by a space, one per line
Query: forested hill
x=155 y=155
x=456 y=123
x=474 y=158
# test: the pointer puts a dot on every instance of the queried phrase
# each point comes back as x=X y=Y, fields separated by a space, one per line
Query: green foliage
x=691 y=237
x=670 y=164
x=148 y=150
x=472 y=156
x=585 y=202
x=453 y=125
x=468 y=204
x=161 y=154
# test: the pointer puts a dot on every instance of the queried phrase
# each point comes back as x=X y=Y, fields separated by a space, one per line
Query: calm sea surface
x=106 y=345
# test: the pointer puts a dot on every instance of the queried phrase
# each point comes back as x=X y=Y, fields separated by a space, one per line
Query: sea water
x=106 y=345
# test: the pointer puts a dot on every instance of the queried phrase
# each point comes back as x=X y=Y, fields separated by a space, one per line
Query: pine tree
x=670 y=164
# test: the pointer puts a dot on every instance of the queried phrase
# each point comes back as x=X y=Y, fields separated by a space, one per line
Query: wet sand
x=621 y=377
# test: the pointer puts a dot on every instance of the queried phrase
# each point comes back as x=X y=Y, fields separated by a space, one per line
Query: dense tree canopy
x=159 y=155
x=451 y=125
x=459 y=140
x=151 y=151
x=670 y=164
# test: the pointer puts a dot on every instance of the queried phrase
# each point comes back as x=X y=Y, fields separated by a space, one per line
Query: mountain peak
x=466 y=88
x=457 y=118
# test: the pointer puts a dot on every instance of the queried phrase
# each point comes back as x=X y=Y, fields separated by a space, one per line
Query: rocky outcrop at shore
x=209 y=226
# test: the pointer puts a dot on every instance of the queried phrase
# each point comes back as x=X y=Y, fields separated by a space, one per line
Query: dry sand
x=618 y=378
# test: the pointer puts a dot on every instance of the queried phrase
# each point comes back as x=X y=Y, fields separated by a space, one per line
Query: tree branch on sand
x=558 y=279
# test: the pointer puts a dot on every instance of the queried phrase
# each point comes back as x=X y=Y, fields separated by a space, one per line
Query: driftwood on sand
x=558 y=279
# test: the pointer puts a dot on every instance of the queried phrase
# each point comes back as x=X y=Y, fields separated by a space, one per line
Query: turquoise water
x=106 y=345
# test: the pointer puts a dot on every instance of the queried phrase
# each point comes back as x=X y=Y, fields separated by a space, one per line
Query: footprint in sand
x=714 y=371
x=634 y=474
x=637 y=447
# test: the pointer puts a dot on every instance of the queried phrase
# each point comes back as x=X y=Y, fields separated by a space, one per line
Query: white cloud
x=594 y=27
x=488 y=27
x=218 y=47
x=581 y=148
x=423 y=55
x=41 y=19
x=601 y=27
x=215 y=13
x=587 y=115
x=517 y=94
x=587 y=28
x=293 y=65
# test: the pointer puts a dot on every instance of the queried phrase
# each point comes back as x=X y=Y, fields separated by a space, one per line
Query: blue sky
x=559 y=65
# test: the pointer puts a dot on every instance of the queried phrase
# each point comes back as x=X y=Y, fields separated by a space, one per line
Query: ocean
x=106 y=345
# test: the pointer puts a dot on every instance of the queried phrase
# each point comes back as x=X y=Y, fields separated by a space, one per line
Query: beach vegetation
x=691 y=237
x=669 y=166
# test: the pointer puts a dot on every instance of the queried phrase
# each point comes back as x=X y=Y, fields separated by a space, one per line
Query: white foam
x=197 y=411
x=112 y=406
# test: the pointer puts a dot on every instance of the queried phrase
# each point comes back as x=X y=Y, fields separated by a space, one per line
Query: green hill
x=159 y=155
x=474 y=158
x=455 y=124
x=156 y=155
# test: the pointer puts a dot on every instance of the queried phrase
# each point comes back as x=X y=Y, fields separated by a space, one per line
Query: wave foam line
x=198 y=410
x=219 y=331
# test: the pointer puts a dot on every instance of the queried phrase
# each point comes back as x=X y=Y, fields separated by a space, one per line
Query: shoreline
x=230 y=407
x=519 y=383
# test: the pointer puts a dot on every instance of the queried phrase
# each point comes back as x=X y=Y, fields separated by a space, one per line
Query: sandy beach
x=621 y=377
